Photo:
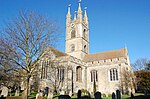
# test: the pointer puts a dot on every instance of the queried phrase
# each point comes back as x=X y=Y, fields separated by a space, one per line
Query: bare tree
x=140 y=64
x=29 y=34
x=148 y=65
x=128 y=81
x=7 y=67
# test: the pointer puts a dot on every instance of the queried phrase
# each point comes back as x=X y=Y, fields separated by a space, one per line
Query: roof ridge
x=57 y=52
x=105 y=55
x=106 y=51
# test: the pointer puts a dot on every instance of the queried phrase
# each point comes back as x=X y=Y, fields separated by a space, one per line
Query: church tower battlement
x=77 y=33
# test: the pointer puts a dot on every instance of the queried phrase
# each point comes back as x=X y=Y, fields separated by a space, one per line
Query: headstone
x=9 y=91
x=2 y=97
x=70 y=93
x=4 y=92
x=64 y=97
x=40 y=93
x=17 y=92
x=132 y=96
x=118 y=94
x=62 y=92
x=50 y=95
x=37 y=95
x=79 y=94
x=145 y=92
x=97 y=95
x=46 y=91
x=89 y=95
x=113 y=96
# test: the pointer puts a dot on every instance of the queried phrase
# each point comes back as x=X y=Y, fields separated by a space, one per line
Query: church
x=77 y=69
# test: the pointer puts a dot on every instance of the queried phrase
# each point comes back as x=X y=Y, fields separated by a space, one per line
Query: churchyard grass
x=33 y=94
x=109 y=97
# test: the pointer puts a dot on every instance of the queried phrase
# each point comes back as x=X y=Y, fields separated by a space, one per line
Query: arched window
x=79 y=74
x=44 y=70
x=84 y=48
x=84 y=33
x=72 y=48
x=73 y=33
x=113 y=74
x=60 y=74
x=94 y=76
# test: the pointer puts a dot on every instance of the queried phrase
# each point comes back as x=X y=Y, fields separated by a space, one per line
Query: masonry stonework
x=77 y=69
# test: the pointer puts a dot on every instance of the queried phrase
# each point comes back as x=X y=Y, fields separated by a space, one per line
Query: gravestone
x=50 y=95
x=97 y=95
x=118 y=94
x=9 y=91
x=70 y=93
x=89 y=94
x=39 y=95
x=2 y=97
x=17 y=92
x=64 y=97
x=145 y=92
x=4 y=92
x=79 y=94
x=113 y=96
x=46 y=91
x=62 y=92
x=132 y=96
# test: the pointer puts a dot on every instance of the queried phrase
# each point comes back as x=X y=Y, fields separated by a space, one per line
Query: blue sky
x=112 y=23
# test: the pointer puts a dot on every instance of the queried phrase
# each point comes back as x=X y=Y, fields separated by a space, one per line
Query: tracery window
x=60 y=74
x=79 y=74
x=94 y=76
x=44 y=70
x=113 y=74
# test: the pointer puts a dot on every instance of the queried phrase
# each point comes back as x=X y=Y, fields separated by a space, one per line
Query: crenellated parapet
x=119 y=61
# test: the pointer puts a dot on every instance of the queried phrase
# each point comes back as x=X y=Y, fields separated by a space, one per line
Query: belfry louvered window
x=73 y=33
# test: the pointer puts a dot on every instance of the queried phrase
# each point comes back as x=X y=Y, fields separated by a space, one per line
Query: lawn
x=32 y=96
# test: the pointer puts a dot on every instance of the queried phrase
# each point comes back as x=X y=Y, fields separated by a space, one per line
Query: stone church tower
x=77 y=34
x=78 y=69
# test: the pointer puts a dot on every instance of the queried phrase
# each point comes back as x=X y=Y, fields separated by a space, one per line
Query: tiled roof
x=105 y=55
x=57 y=52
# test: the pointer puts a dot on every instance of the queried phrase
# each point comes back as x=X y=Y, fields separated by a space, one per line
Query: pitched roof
x=58 y=53
x=105 y=55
